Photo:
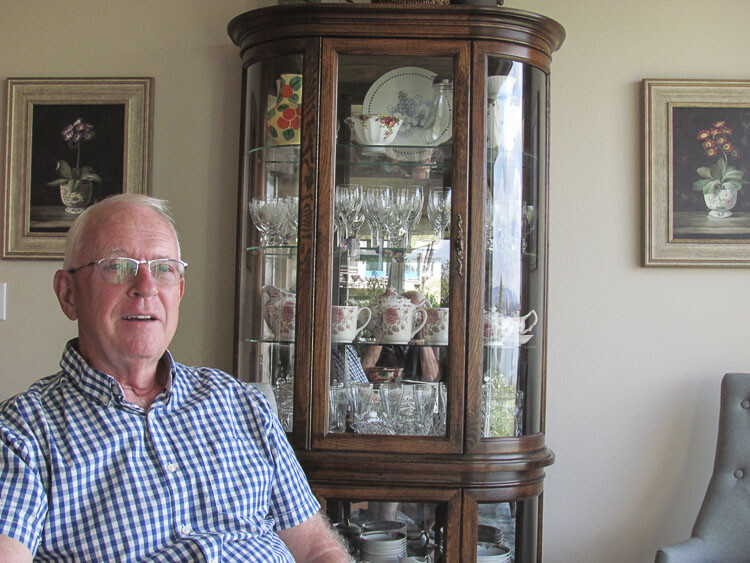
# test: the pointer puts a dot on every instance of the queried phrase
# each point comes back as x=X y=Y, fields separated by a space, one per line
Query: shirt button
x=184 y=529
x=172 y=467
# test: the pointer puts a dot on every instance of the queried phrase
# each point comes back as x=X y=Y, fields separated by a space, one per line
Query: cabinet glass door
x=392 y=208
x=513 y=200
x=501 y=528
x=390 y=524
x=269 y=227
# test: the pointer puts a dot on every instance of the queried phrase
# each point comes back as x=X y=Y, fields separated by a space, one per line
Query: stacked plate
x=490 y=534
x=491 y=553
x=383 y=547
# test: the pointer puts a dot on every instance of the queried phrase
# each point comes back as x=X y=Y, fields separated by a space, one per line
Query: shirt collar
x=103 y=387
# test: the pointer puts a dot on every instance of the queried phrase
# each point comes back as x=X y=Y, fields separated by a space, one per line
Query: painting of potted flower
x=76 y=183
x=721 y=181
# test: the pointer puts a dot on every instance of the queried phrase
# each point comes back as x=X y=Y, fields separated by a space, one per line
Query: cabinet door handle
x=460 y=244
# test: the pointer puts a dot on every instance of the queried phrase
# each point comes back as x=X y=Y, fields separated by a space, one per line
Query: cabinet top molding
x=420 y=21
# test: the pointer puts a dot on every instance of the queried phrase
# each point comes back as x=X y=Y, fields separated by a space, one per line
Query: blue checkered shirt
x=205 y=474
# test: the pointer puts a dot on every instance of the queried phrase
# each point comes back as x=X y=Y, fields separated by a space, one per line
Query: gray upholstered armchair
x=722 y=530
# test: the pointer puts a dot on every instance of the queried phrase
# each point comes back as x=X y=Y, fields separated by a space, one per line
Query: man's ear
x=63 y=284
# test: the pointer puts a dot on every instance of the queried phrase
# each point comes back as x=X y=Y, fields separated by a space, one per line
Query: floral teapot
x=279 y=312
x=409 y=303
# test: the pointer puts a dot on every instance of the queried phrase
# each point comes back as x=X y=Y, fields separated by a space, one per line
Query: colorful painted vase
x=284 y=119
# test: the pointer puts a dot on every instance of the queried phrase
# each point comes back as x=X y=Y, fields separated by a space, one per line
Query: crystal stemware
x=339 y=404
x=425 y=396
x=391 y=395
x=360 y=399
x=348 y=203
x=269 y=216
x=439 y=209
x=408 y=203
x=292 y=218
x=375 y=208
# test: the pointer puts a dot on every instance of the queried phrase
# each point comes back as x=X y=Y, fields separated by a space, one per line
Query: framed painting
x=70 y=142
x=696 y=172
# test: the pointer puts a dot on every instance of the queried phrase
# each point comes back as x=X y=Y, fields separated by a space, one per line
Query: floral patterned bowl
x=384 y=375
x=374 y=128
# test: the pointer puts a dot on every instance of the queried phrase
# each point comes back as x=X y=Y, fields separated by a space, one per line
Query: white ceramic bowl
x=374 y=128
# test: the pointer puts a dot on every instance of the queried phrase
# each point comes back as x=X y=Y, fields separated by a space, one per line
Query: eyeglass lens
x=165 y=271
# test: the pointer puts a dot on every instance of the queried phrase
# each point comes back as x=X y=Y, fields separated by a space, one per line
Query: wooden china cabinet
x=392 y=264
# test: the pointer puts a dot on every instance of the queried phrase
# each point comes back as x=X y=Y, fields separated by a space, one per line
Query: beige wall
x=635 y=355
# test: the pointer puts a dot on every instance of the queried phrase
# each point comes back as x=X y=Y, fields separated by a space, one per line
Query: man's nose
x=144 y=283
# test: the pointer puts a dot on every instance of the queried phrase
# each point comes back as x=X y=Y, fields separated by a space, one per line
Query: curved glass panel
x=501 y=526
x=514 y=249
x=268 y=304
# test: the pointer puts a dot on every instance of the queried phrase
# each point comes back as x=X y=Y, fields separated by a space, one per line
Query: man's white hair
x=77 y=234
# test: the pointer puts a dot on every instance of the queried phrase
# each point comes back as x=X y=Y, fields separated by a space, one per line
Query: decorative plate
x=408 y=91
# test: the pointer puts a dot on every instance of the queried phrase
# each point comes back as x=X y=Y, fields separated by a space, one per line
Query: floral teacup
x=345 y=325
x=401 y=322
x=436 y=326
x=502 y=329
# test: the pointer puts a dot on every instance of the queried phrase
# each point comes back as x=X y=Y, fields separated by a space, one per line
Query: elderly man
x=127 y=455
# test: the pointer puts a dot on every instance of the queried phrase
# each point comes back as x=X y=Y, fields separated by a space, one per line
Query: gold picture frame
x=69 y=139
x=696 y=140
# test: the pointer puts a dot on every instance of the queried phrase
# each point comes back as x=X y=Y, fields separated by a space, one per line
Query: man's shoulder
x=219 y=383
x=204 y=375
x=37 y=393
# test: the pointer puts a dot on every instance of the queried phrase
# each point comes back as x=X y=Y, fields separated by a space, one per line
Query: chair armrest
x=693 y=550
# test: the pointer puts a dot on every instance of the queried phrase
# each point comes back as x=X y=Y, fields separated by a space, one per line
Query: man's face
x=128 y=325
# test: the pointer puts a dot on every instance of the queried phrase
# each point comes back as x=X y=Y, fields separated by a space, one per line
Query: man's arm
x=314 y=541
x=13 y=551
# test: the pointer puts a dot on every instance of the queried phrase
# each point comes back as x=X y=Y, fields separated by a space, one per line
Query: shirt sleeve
x=292 y=502
x=23 y=501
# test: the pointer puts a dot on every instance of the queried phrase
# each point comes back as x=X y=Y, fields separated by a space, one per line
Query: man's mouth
x=139 y=318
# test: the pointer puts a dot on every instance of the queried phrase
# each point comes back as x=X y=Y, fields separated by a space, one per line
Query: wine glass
x=408 y=204
x=348 y=204
x=360 y=398
x=269 y=216
x=439 y=209
x=292 y=217
x=375 y=208
x=391 y=395
x=259 y=220
x=339 y=403
x=425 y=396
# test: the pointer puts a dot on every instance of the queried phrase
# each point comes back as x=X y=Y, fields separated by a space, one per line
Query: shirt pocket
x=239 y=478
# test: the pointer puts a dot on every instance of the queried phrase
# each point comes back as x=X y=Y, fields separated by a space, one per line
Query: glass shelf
x=281 y=251
x=278 y=153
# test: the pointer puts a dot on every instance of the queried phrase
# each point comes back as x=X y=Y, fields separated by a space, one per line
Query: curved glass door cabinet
x=392 y=265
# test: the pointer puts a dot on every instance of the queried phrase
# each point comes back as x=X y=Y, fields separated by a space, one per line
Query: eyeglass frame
x=137 y=267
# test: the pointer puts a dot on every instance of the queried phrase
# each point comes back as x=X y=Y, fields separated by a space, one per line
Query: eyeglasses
x=165 y=271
